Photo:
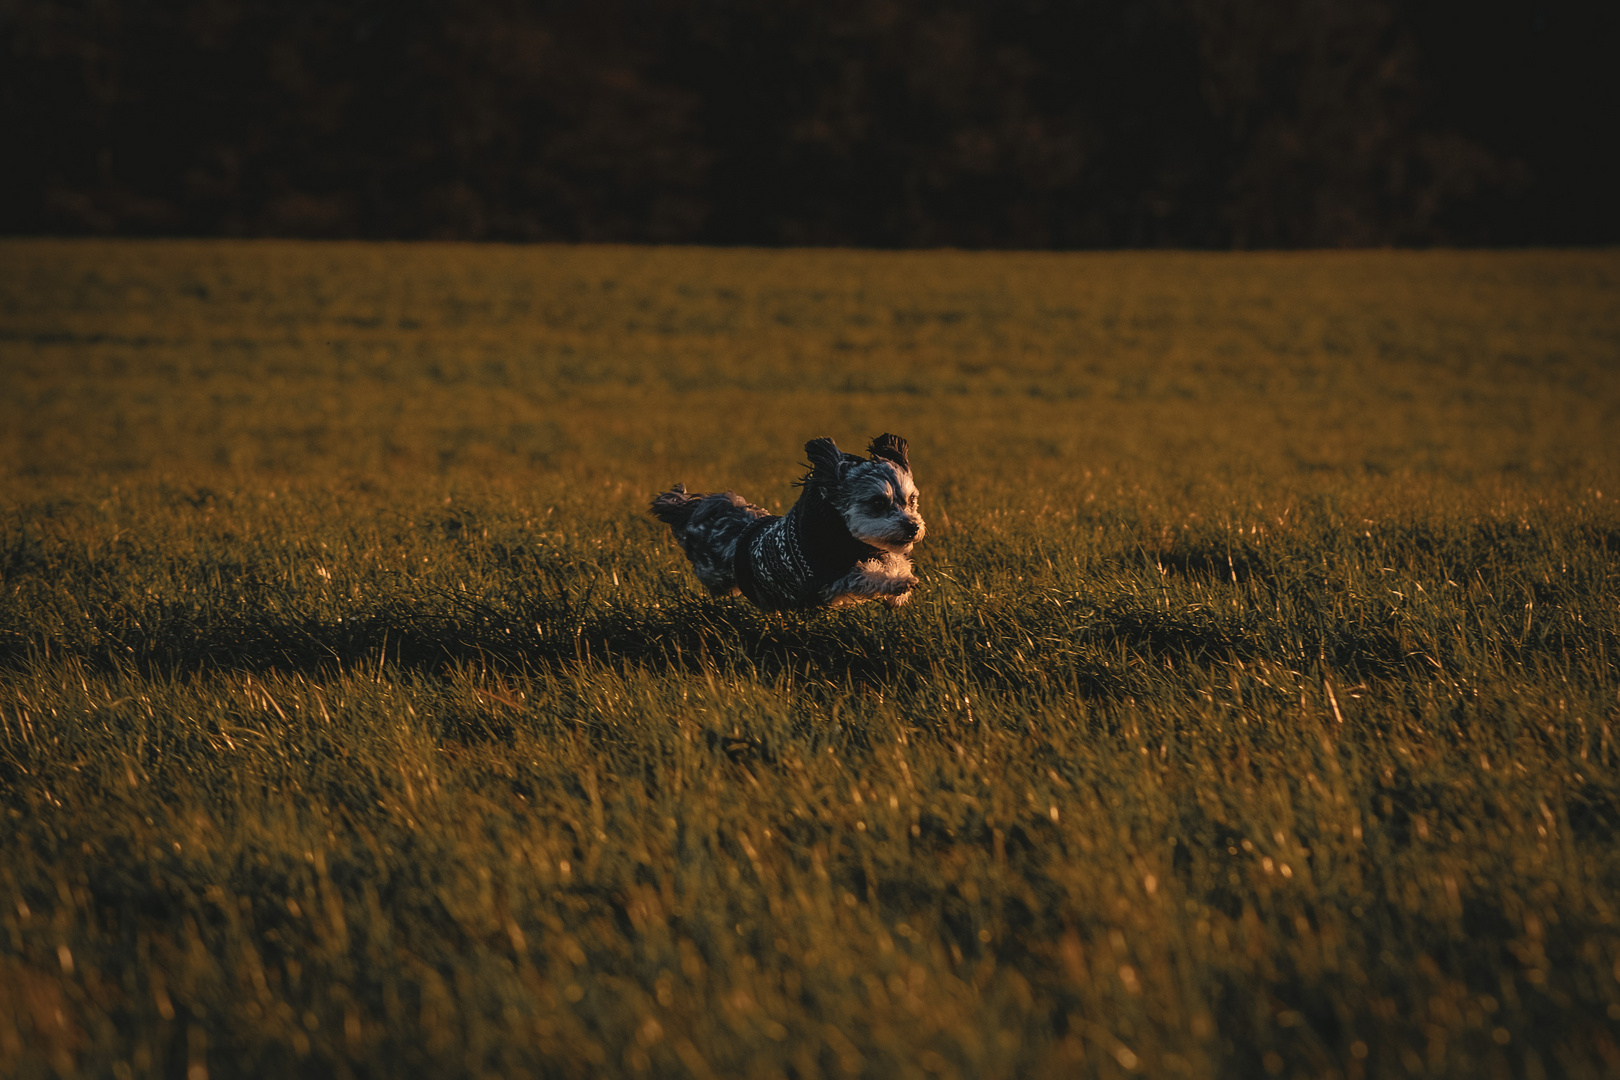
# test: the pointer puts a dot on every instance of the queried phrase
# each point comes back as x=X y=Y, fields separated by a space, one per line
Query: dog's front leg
x=888 y=578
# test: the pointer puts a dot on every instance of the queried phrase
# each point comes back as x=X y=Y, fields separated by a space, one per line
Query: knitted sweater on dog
x=787 y=561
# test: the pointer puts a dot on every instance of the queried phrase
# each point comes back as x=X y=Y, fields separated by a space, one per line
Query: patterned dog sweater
x=787 y=561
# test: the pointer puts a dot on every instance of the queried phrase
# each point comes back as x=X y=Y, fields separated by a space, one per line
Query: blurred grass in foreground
x=1256 y=716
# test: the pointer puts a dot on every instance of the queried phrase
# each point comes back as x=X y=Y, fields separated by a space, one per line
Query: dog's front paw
x=897 y=590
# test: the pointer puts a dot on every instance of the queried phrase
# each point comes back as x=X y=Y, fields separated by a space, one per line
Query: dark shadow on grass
x=689 y=635
x=1122 y=649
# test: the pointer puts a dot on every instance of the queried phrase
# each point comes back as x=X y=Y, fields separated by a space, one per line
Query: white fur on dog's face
x=878 y=501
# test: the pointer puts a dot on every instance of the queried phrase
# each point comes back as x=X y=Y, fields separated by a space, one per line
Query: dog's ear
x=891 y=448
x=825 y=461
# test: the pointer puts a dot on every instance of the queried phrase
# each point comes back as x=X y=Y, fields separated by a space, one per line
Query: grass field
x=1255 y=716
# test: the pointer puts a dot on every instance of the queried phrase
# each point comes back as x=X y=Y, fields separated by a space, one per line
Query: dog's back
x=707 y=528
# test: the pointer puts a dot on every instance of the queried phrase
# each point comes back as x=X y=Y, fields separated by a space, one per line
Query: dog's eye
x=913 y=500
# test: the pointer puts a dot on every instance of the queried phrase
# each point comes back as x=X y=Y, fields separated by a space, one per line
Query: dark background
x=1005 y=123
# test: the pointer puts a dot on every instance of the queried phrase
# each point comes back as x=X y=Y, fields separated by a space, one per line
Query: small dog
x=845 y=540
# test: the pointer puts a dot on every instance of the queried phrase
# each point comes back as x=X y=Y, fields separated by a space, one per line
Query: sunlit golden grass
x=1255 y=717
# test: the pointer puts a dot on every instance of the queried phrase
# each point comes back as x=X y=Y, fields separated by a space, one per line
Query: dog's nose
x=911 y=530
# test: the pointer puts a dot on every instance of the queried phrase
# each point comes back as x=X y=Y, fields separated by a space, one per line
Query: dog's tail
x=674 y=507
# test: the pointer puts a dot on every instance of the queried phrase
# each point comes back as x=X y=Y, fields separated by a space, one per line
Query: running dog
x=845 y=540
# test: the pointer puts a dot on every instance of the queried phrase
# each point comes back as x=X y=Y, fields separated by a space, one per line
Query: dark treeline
x=1020 y=123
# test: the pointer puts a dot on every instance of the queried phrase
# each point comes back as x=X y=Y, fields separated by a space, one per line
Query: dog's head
x=877 y=497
